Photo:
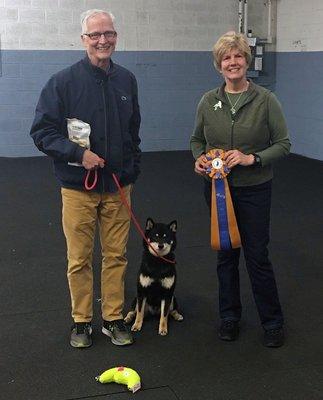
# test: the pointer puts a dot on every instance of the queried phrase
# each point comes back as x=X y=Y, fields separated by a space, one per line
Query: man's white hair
x=91 y=13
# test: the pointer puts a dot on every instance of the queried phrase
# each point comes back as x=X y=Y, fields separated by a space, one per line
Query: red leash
x=89 y=186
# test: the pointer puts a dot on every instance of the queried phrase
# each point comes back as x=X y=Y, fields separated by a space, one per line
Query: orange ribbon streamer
x=223 y=219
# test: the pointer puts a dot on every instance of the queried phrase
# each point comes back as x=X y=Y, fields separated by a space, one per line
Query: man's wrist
x=79 y=154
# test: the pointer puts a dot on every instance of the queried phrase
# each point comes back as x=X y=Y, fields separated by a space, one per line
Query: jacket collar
x=97 y=72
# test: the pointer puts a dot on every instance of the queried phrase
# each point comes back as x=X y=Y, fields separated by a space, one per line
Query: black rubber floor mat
x=162 y=393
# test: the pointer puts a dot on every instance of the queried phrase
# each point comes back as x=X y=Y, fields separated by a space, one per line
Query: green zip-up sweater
x=258 y=127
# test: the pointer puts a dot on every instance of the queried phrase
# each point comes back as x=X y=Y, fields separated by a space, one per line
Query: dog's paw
x=136 y=327
x=163 y=329
x=162 y=332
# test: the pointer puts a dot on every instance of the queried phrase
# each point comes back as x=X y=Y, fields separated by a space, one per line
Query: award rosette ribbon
x=224 y=229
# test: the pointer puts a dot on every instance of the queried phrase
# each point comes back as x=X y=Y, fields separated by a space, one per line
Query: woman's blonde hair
x=228 y=41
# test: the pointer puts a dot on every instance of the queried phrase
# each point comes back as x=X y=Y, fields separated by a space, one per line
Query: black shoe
x=118 y=332
x=229 y=330
x=81 y=335
x=274 y=337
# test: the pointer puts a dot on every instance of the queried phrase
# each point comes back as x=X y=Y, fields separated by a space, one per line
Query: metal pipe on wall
x=245 y=17
x=240 y=16
x=269 y=37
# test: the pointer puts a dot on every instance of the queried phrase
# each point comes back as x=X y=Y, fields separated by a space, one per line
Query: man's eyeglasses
x=97 y=35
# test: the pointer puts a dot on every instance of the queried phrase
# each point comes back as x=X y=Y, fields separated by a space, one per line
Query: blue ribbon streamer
x=221 y=206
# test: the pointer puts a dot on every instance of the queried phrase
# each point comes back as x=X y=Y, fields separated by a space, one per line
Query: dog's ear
x=149 y=224
x=173 y=226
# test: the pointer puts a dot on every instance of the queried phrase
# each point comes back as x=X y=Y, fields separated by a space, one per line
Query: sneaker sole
x=80 y=345
x=273 y=345
x=228 y=338
x=113 y=340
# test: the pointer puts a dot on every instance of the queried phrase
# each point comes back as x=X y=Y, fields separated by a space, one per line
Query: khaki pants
x=80 y=214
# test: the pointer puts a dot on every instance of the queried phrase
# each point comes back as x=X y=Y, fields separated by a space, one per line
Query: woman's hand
x=201 y=164
x=235 y=157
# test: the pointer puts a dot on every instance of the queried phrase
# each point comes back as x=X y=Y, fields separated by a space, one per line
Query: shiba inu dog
x=156 y=278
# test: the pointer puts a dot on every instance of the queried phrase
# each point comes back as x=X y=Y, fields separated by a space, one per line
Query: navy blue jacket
x=108 y=102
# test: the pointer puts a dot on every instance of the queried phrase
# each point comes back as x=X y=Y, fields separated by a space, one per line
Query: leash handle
x=87 y=185
x=134 y=219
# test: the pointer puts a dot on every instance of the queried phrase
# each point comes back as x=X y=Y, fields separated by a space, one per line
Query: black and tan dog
x=156 y=278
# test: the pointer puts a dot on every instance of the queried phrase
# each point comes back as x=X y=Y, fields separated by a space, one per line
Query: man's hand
x=92 y=160
x=201 y=164
x=235 y=157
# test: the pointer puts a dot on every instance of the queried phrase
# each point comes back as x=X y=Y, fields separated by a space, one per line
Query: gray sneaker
x=118 y=332
x=81 y=335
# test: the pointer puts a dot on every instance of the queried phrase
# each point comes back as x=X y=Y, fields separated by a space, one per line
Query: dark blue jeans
x=252 y=209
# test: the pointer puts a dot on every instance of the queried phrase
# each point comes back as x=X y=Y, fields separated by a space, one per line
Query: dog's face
x=162 y=237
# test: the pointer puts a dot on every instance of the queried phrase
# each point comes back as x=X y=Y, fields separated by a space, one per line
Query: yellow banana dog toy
x=122 y=375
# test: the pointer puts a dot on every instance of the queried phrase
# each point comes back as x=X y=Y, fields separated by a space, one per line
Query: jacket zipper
x=231 y=131
x=232 y=125
x=105 y=130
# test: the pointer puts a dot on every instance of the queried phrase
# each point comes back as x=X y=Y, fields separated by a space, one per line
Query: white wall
x=142 y=24
x=299 y=78
x=299 y=25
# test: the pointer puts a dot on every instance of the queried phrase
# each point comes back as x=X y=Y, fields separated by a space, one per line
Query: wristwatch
x=257 y=160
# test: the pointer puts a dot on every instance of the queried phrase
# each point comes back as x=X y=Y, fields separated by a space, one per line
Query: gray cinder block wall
x=167 y=44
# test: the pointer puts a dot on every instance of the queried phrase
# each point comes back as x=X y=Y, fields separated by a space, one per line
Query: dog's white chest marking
x=167 y=283
x=145 y=281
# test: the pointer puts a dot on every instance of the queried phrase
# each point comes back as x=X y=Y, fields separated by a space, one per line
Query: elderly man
x=87 y=119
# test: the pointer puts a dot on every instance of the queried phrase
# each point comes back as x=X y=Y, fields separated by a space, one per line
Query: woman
x=247 y=122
